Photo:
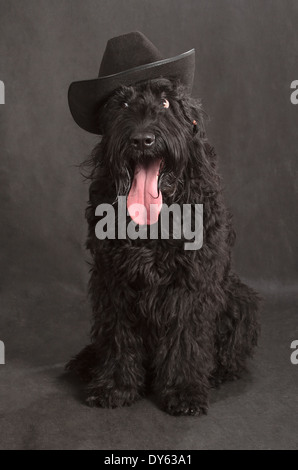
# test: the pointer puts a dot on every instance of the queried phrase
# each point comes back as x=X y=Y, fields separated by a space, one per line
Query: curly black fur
x=174 y=321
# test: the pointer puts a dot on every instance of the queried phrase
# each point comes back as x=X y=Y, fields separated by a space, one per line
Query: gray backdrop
x=246 y=59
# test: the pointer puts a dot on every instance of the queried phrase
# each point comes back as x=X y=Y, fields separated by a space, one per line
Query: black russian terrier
x=173 y=321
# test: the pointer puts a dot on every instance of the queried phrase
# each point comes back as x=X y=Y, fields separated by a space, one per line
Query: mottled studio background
x=246 y=59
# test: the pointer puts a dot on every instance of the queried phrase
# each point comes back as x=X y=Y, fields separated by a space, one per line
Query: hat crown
x=126 y=52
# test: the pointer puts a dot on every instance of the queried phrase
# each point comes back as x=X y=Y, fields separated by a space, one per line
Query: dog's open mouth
x=144 y=200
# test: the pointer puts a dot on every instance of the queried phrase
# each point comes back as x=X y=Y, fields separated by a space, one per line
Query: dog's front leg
x=117 y=376
x=184 y=357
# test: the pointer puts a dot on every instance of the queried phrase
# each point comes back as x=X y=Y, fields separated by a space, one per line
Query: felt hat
x=127 y=59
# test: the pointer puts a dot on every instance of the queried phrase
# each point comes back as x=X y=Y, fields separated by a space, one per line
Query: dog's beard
x=146 y=177
x=138 y=180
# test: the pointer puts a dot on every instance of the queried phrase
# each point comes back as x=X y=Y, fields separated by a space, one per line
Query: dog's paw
x=111 y=398
x=183 y=404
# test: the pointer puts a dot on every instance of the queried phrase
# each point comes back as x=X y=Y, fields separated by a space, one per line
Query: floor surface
x=40 y=409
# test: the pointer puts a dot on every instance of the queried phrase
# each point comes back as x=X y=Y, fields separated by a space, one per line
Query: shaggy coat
x=167 y=320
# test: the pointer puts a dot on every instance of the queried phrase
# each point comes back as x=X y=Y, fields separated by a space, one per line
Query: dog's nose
x=142 y=140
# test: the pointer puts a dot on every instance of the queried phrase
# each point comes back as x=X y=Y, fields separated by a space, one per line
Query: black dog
x=174 y=321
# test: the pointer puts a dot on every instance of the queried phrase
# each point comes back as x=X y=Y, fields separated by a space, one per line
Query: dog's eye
x=165 y=103
x=124 y=104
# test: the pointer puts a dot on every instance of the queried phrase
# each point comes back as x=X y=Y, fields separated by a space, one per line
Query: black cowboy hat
x=128 y=59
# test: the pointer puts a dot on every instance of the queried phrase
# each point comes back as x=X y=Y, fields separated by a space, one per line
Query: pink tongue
x=143 y=194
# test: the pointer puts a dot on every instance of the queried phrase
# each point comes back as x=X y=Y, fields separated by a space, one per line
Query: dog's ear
x=102 y=189
x=198 y=120
x=193 y=114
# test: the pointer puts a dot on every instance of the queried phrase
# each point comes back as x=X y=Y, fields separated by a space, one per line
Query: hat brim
x=85 y=96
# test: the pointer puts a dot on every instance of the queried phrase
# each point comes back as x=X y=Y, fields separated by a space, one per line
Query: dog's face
x=148 y=139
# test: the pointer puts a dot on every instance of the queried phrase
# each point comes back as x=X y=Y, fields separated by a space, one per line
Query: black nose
x=142 y=140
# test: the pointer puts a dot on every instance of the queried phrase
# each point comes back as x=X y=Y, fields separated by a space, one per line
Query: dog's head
x=152 y=141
